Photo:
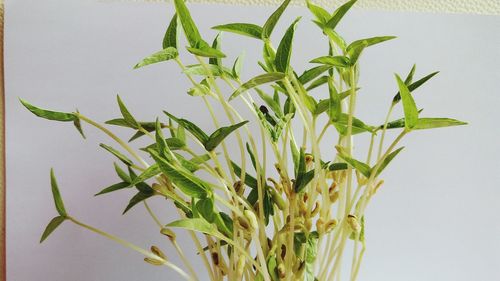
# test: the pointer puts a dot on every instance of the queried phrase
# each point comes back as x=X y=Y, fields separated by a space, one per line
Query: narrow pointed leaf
x=198 y=225
x=388 y=160
x=339 y=14
x=126 y=114
x=121 y=173
x=48 y=114
x=271 y=22
x=409 y=106
x=322 y=15
x=188 y=183
x=191 y=127
x=338 y=61
x=361 y=167
x=238 y=64
x=170 y=38
x=118 y=154
x=190 y=30
x=150 y=172
x=355 y=48
x=413 y=86
x=216 y=44
x=258 y=80
x=114 y=187
x=246 y=29
x=204 y=50
x=431 y=123
x=138 y=198
x=312 y=73
x=318 y=82
x=58 y=202
x=204 y=70
x=78 y=126
x=160 y=56
x=337 y=166
x=220 y=134
x=53 y=224
x=409 y=77
x=284 y=52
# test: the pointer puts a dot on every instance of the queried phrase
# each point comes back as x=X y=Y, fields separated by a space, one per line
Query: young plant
x=290 y=215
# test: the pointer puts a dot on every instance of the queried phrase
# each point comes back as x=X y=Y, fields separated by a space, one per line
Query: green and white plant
x=288 y=213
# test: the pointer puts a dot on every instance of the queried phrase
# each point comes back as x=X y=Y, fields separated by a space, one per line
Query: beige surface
x=484 y=7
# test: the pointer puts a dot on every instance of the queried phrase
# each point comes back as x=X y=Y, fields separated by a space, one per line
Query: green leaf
x=126 y=114
x=170 y=38
x=114 y=187
x=361 y=237
x=204 y=70
x=47 y=114
x=58 y=202
x=150 y=172
x=160 y=56
x=334 y=106
x=246 y=29
x=361 y=167
x=337 y=166
x=190 y=30
x=216 y=44
x=338 y=61
x=78 y=126
x=173 y=144
x=322 y=15
x=184 y=180
x=220 y=134
x=271 y=22
x=284 y=52
x=191 y=127
x=121 y=173
x=204 y=50
x=303 y=181
x=238 y=64
x=358 y=126
x=412 y=87
x=53 y=224
x=339 y=14
x=355 y=48
x=388 y=160
x=205 y=207
x=409 y=106
x=118 y=154
x=431 y=123
x=258 y=80
x=275 y=107
x=198 y=225
x=138 y=198
x=312 y=73
x=318 y=82
x=409 y=77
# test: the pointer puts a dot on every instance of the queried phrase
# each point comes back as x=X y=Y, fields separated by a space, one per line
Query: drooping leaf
x=355 y=48
x=258 y=80
x=246 y=29
x=118 y=154
x=338 y=61
x=78 y=126
x=284 y=52
x=191 y=127
x=413 y=86
x=48 y=114
x=409 y=106
x=339 y=14
x=58 y=202
x=170 y=38
x=220 y=134
x=271 y=22
x=160 y=56
x=188 y=183
x=388 y=160
x=114 y=187
x=53 y=224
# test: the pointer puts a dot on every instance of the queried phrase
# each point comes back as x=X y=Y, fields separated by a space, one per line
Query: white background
x=437 y=217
